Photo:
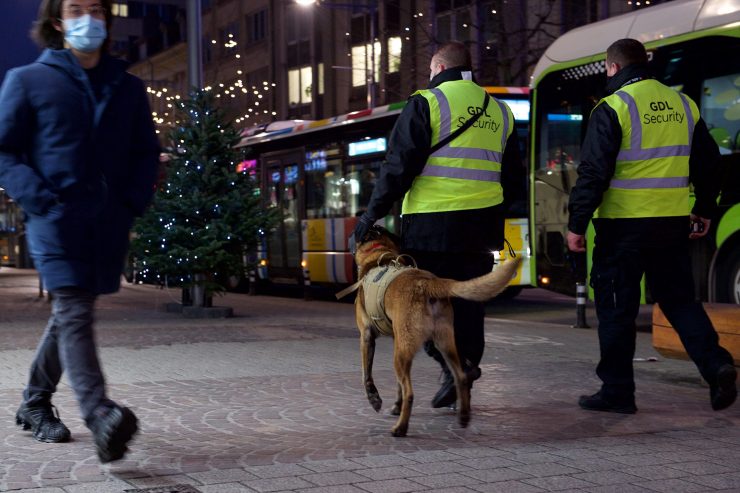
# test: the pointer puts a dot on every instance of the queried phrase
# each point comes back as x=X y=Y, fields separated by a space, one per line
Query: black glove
x=363 y=226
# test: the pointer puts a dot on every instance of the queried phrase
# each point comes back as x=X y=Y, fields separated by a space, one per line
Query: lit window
x=299 y=85
x=394 y=54
x=321 y=78
x=306 y=84
x=361 y=63
x=119 y=9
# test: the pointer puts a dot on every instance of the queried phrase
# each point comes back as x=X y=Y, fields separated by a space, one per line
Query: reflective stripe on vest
x=465 y=173
x=651 y=177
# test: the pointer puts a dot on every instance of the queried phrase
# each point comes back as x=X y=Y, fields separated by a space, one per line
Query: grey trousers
x=68 y=345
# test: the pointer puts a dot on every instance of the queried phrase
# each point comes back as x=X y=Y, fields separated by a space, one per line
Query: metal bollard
x=581 y=307
x=252 y=282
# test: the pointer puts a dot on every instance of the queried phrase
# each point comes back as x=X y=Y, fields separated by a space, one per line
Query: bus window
x=720 y=110
x=361 y=181
x=318 y=175
x=290 y=215
x=565 y=99
x=283 y=242
x=563 y=139
x=520 y=110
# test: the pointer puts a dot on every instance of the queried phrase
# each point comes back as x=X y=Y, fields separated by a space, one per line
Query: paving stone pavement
x=272 y=401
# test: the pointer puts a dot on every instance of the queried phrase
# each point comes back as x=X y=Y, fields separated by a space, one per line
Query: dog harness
x=374 y=285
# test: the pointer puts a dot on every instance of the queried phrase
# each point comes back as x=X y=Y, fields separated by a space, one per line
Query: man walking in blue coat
x=79 y=153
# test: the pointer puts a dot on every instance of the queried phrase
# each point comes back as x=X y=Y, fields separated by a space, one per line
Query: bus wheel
x=728 y=280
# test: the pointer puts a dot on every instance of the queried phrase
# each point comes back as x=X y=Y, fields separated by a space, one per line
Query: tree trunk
x=198 y=291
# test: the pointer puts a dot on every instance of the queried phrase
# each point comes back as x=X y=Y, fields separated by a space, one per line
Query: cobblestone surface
x=271 y=400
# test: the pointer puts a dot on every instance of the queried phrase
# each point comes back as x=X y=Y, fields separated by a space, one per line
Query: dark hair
x=453 y=54
x=626 y=52
x=46 y=35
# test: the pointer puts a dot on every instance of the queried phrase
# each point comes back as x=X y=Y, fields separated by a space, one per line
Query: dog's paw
x=399 y=431
x=396 y=409
x=375 y=401
x=464 y=419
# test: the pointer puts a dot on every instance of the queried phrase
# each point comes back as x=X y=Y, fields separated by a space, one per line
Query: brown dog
x=417 y=308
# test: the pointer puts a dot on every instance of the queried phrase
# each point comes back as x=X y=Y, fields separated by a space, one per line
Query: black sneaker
x=446 y=396
x=44 y=423
x=113 y=428
x=598 y=402
x=724 y=392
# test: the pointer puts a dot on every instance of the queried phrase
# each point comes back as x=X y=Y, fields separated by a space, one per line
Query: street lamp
x=372 y=8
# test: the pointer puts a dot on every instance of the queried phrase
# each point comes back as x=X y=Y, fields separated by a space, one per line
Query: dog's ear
x=376 y=231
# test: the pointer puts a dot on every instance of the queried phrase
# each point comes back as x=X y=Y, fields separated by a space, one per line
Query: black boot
x=43 y=421
x=724 y=392
x=598 y=402
x=447 y=393
x=113 y=428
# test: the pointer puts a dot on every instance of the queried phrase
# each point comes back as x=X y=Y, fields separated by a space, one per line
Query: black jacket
x=598 y=160
x=456 y=231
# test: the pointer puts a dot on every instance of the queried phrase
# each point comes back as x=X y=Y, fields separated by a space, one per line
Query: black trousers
x=68 y=345
x=469 y=315
x=615 y=276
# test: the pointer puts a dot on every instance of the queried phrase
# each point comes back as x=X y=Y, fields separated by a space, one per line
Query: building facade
x=273 y=60
x=143 y=28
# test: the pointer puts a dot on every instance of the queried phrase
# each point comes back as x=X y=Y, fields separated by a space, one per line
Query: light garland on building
x=250 y=98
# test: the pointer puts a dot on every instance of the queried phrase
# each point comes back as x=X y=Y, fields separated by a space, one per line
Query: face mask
x=84 y=33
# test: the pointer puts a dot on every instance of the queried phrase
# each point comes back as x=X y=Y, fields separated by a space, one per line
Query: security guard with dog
x=645 y=143
x=454 y=158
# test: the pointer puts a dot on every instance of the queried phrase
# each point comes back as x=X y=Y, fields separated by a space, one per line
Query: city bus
x=319 y=175
x=693 y=47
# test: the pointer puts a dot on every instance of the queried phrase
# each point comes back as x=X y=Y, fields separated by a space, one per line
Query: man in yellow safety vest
x=645 y=142
x=454 y=158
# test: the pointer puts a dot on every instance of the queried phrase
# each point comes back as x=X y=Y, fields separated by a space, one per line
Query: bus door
x=283 y=178
x=561 y=119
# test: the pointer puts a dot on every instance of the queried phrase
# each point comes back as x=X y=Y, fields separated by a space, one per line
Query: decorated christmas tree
x=206 y=217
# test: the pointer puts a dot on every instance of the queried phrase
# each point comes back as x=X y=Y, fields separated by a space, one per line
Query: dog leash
x=511 y=248
x=351 y=289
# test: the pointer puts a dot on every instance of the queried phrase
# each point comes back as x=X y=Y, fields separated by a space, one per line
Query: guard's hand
x=355 y=238
x=699 y=226
x=576 y=243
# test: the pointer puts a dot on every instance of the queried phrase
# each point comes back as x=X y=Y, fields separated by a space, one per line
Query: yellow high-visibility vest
x=651 y=178
x=465 y=173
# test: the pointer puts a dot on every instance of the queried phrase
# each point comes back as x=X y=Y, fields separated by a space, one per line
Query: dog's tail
x=479 y=289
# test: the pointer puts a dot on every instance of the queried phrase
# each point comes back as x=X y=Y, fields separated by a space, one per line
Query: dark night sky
x=16 y=48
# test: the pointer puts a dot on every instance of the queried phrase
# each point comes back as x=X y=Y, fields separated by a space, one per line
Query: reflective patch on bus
x=516 y=231
x=325 y=249
x=329 y=267
x=327 y=235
